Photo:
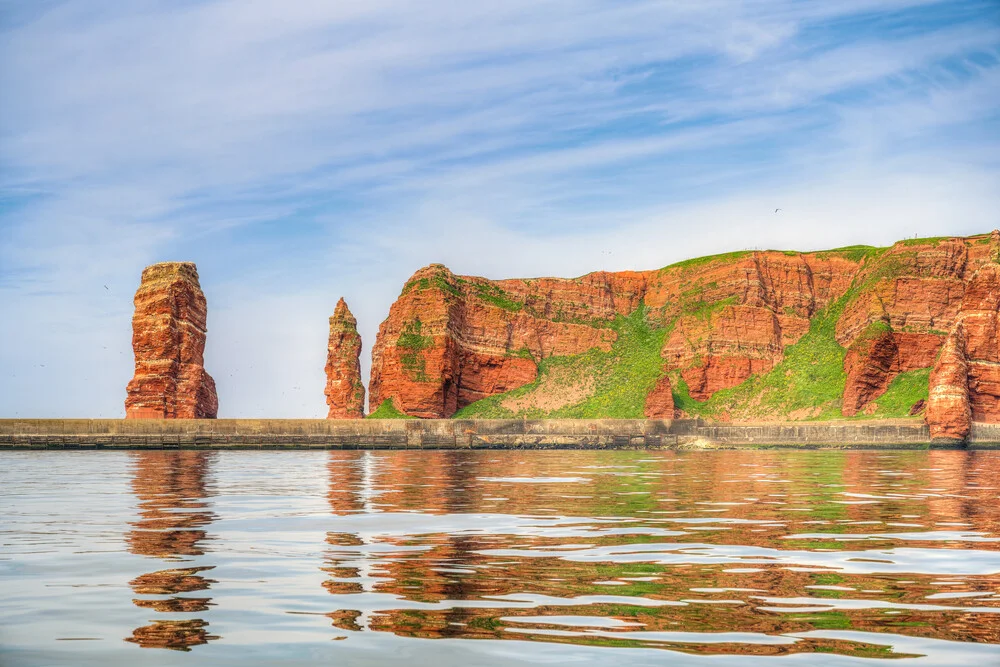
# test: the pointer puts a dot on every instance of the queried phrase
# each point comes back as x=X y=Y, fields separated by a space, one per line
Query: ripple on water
x=263 y=557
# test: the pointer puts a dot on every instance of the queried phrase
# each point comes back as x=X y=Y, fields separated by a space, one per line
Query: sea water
x=499 y=557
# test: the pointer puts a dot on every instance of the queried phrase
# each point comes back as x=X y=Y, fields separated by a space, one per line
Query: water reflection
x=173 y=489
x=729 y=553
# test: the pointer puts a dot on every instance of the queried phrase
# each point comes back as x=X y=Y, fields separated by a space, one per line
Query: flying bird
x=776 y=210
x=106 y=287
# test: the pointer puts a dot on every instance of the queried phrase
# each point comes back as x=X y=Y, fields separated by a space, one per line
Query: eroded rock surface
x=345 y=392
x=906 y=302
x=965 y=382
x=660 y=401
x=168 y=339
x=452 y=340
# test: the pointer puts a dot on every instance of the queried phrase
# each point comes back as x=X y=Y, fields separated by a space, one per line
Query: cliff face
x=345 y=393
x=965 y=382
x=907 y=301
x=452 y=340
x=764 y=335
x=168 y=339
x=733 y=317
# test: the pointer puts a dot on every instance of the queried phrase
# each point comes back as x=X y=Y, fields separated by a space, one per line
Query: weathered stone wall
x=476 y=434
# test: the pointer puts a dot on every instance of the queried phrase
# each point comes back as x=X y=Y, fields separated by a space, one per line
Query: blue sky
x=303 y=151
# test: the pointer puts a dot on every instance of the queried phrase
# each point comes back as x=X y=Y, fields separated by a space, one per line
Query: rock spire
x=345 y=393
x=168 y=339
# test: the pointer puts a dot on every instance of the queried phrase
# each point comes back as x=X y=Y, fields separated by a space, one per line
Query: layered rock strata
x=965 y=381
x=168 y=339
x=905 y=302
x=345 y=392
x=452 y=340
x=660 y=401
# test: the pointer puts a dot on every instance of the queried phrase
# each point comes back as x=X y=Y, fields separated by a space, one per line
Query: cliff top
x=343 y=314
x=170 y=270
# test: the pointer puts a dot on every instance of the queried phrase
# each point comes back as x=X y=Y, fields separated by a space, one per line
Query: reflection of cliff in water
x=173 y=489
x=447 y=584
x=440 y=482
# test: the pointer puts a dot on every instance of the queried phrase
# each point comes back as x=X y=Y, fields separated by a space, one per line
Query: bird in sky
x=776 y=210
x=106 y=287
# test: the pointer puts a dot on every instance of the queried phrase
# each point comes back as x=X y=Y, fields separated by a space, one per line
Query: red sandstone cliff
x=345 y=393
x=965 y=382
x=452 y=340
x=168 y=339
x=906 y=302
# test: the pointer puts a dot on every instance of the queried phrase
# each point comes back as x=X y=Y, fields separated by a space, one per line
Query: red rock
x=877 y=357
x=660 y=401
x=736 y=313
x=451 y=340
x=725 y=349
x=965 y=382
x=168 y=339
x=948 y=413
x=345 y=392
x=917 y=289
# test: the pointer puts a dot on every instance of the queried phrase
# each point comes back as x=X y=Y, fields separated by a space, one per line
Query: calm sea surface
x=499 y=558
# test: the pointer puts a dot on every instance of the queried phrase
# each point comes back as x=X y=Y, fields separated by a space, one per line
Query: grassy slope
x=388 y=410
x=623 y=376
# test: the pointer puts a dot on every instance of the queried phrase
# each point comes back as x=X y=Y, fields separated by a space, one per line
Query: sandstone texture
x=168 y=339
x=906 y=302
x=871 y=313
x=660 y=401
x=965 y=382
x=345 y=392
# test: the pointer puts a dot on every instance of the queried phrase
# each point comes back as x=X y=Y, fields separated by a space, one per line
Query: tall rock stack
x=168 y=339
x=965 y=382
x=345 y=393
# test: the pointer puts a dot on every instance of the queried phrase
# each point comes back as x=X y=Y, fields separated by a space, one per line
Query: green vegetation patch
x=495 y=295
x=904 y=391
x=853 y=253
x=388 y=410
x=439 y=280
x=413 y=344
x=622 y=377
x=930 y=240
x=708 y=259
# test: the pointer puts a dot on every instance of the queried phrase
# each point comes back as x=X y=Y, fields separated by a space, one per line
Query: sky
x=303 y=151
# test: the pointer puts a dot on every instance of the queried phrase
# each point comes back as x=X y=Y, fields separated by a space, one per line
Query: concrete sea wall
x=468 y=434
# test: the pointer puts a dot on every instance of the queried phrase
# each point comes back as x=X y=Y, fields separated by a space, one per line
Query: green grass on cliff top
x=623 y=377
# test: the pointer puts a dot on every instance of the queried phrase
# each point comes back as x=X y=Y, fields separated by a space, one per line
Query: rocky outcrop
x=965 y=382
x=876 y=357
x=345 y=392
x=452 y=340
x=911 y=295
x=660 y=401
x=949 y=416
x=733 y=315
x=168 y=339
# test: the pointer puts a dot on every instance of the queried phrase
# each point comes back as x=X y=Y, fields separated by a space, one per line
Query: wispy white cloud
x=300 y=151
